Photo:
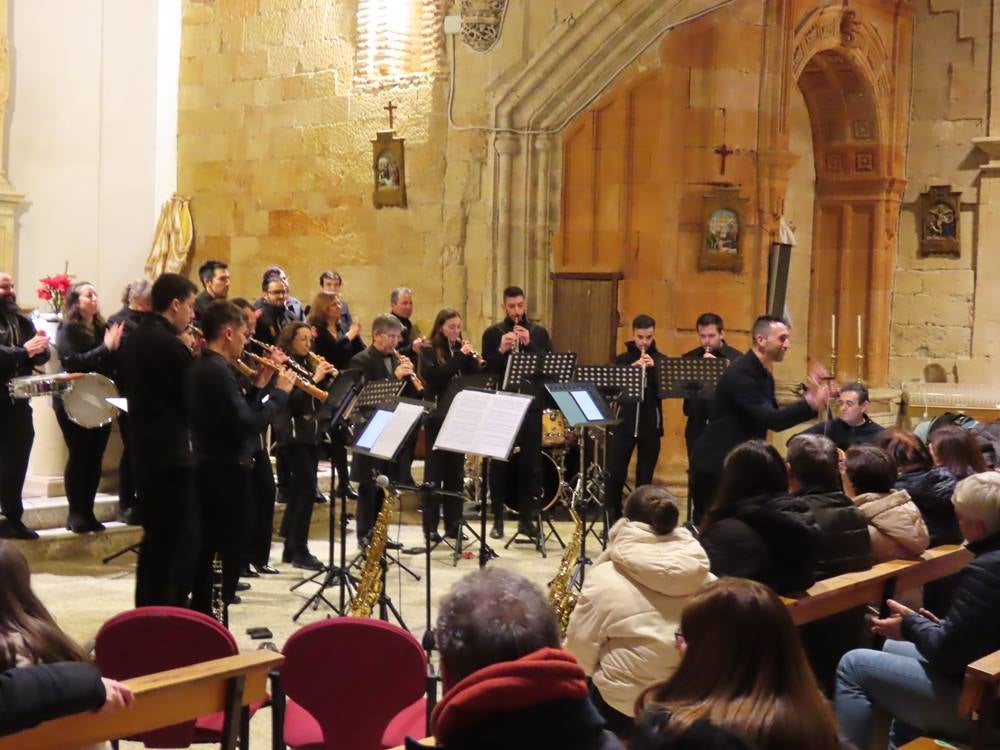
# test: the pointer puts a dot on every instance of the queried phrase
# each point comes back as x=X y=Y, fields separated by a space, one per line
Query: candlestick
x=833 y=345
x=859 y=333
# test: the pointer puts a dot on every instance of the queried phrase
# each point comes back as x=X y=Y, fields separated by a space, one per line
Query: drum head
x=86 y=402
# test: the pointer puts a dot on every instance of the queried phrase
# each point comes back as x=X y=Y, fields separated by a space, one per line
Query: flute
x=303 y=384
x=414 y=378
x=318 y=360
x=268 y=348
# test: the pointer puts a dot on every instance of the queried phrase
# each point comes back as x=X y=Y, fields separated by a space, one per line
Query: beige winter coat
x=895 y=525
x=622 y=629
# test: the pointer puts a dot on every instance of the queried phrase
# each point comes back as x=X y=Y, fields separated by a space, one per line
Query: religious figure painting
x=939 y=221
x=388 y=170
x=721 y=248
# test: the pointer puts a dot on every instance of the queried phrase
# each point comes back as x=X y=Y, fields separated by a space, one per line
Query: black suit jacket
x=697 y=410
x=743 y=408
x=31 y=695
x=14 y=360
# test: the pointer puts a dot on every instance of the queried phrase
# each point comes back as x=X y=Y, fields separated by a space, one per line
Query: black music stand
x=340 y=401
x=687 y=377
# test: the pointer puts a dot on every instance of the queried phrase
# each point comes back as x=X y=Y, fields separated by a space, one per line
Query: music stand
x=624 y=378
x=340 y=401
x=686 y=377
x=526 y=368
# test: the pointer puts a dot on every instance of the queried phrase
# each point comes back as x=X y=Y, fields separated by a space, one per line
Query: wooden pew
x=163 y=699
x=844 y=592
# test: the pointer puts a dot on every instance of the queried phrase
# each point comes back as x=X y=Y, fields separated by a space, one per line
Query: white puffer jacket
x=896 y=527
x=622 y=629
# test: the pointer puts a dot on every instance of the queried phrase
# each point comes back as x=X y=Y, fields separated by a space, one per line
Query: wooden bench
x=163 y=699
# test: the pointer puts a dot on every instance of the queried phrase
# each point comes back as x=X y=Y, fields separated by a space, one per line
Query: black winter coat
x=971 y=628
x=769 y=540
x=31 y=695
x=844 y=543
x=931 y=491
x=14 y=359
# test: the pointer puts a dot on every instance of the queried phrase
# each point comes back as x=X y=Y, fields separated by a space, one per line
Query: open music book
x=484 y=424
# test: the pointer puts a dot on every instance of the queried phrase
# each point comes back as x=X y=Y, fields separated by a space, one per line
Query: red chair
x=153 y=639
x=410 y=722
x=346 y=678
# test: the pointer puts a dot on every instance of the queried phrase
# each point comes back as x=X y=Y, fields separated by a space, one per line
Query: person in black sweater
x=330 y=282
x=85 y=344
x=445 y=356
x=852 y=426
x=627 y=435
x=744 y=407
x=379 y=362
x=156 y=363
x=21 y=350
x=225 y=425
x=136 y=304
x=214 y=276
x=517 y=482
x=274 y=314
x=337 y=348
x=298 y=428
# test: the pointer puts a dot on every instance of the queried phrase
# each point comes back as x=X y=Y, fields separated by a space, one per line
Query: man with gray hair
x=401 y=305
x=917 y=676
x=137 y=302
x=506 y=681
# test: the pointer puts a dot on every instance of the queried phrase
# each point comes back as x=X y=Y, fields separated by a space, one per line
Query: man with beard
x=214 y=276
x=274 y=311
x=744 y=407
x=21 y=350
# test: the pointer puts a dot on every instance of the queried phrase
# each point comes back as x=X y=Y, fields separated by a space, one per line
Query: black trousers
x=301 y=462
x=257 y=550
x=17 y=433
x=702 y=486
x=223 y=491
x=127 y=495
x=338 y=457
x=171 y=535
x=621 y=443
x=444 y=470
x=82 y=474
x=518 y=482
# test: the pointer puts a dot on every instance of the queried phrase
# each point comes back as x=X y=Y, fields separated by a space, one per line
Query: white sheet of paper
x=119 y=403
x=403 y=418
x=485 y=424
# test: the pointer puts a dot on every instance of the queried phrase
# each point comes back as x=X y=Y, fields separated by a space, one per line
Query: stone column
x=507 y=147
x=986 y=313
x=9 y=198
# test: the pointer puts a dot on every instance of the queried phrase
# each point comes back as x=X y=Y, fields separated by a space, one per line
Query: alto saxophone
x=219 y=610
x=370 y=581
x=562 y=597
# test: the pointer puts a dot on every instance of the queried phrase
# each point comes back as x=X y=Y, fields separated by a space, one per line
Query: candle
x=833 y=331
x=859 y=333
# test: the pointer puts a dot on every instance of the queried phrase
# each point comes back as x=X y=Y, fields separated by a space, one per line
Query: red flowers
x=53 y=290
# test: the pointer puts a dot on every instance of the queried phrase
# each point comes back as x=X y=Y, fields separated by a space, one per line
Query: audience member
x=957 y=450
x=917 y=676
x=895 y=526
x=506 y=682
x=701 y=735
x=621 y=630
x=930 y=487
x=852 y=425
x=742 y=669
x=753 y=530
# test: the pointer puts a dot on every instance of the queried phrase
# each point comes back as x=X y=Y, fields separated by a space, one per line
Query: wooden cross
x=723 y=152
x=390 y=108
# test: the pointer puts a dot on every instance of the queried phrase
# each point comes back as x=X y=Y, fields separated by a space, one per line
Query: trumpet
x=414 y=378
x=302 y=383
x=292 y=364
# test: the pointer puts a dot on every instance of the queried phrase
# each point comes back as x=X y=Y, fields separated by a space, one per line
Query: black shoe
x=235 y=599
x=266 y=569
x=320 y=498
x=497 y=531
x=130 y=516
x=78 y=525
x=352 y=494
x=281 y=495
x=307 y=562
x=528 y=529
x=247 y=572
x=286 y=555
x=16 y=530
x=434 y=537
x=455 y=535
x=242 y=586
x=389 y=544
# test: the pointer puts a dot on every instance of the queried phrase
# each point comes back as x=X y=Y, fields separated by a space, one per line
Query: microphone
x=387 y=484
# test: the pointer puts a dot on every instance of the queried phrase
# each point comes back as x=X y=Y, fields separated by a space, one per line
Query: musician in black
x=298 y=429
x=85 y=344
x=156 y=362
x=274 y=315
x=136 y=304
x=626 y=436
x=378 y=362
x=293 y=306
x=401 y=305
x=445 y=356
x=337 y=348
x=519 y=480
x=330 y=282
x=214 y=276
x=21 y=350
x=225 y=427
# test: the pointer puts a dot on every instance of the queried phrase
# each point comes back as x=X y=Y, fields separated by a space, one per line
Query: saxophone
x=370 y=581
x=562 y=597
x=219 y=610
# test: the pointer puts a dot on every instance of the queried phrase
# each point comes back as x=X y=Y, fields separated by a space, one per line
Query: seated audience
x=917 y=676
x=957 y=450
x=702 y=735
x=622 y=628
x=852 y=425
x=506 y=682
x=814 y=477
x=895 y=526
x=930 y=487
x=743 y=670
x=752 y=530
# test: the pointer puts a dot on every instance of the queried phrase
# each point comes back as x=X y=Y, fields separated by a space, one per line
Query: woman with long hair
x=298 y=430
x=85 y=344
x=622 y=627
x=956 y=449
x=753 y=529
x=742 y=668
x=445 y=356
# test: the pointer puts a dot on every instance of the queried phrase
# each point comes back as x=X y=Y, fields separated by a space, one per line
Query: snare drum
x=86 y=402
x=32 y=386
x=554 y=428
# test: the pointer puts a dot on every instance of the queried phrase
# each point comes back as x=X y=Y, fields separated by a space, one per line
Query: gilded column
x=9 y=198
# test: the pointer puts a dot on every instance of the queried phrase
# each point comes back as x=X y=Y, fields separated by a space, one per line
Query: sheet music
x=403 y=419
x=485 y=424
x=119 y=403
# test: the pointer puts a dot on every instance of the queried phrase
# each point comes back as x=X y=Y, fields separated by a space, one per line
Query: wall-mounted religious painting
x=722 y=243
x=389 y=169
x=939 y=221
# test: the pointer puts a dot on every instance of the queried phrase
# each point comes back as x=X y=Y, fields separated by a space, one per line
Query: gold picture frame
x=723 y=230
x=389 y=170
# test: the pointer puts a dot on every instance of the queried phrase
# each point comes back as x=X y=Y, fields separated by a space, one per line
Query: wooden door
x=585 y=315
